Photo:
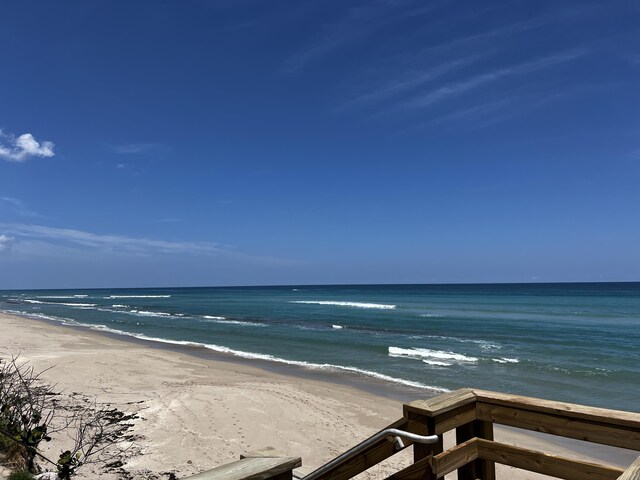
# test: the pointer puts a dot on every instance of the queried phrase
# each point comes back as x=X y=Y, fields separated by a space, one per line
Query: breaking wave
x=432 y=355
x=380 y=306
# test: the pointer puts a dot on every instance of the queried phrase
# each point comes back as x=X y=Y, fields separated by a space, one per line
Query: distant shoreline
x=320 y=285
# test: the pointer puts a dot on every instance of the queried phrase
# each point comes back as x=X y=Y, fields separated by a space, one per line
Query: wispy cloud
x=481 y=39
x=357 y=23
x=473 y=82
x=39 y=241
x=5 y=243
x=23 y=147
x=120 y=243
x=411 y=81
x=15 y=206
x=475 y=112
x=138 y=148
x=500 y=108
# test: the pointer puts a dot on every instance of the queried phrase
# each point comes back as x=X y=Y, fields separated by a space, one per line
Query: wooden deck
x=472 y=414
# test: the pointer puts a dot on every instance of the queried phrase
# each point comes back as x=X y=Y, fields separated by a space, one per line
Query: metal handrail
x=397 y=435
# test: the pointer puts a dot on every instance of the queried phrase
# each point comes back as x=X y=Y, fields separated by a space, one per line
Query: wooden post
x=437 y=415
x=423 y=425
x=478 y=469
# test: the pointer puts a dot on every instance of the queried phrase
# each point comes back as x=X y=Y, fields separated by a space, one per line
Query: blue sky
x=247 y=142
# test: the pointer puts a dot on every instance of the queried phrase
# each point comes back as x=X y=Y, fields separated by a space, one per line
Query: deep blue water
x=571 y=342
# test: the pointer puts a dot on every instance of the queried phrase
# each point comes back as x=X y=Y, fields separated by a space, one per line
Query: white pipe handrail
x=389 y=432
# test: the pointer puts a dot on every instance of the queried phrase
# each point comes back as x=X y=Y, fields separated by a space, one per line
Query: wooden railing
x=259 y=465
x=472 y=414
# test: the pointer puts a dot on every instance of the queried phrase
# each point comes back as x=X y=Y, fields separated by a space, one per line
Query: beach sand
x=197 y=413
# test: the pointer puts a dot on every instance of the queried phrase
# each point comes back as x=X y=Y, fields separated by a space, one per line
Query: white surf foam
x=223 y=320
x=63 y=320
x=506 y=360
x=381 y=306
x=138 y=296
x=437 y=363
x=85 y=305
x=145 y=313
x=81 y=305
x=247 y=355
x=62 y=297
x=484 y=344
x=425 y=353
x=337 y=327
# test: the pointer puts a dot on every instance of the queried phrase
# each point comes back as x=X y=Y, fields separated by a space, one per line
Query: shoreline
x=354 y=379
x=201 y=408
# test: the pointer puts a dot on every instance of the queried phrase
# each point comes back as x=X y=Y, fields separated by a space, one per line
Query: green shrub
x=20 y=475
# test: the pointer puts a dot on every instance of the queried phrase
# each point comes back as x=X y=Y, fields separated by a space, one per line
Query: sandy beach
x=197 y=413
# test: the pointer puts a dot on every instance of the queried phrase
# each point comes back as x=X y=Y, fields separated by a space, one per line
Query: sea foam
x=506 y=360
x=137 y=296
x=223 y=320
x=81 y=305
x=381 y=306
x=425 y=353
x=145 y=313
x=62 y=296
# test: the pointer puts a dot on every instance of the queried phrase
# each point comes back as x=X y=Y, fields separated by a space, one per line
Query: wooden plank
x=455 y=458
x=545 y=463
x=374 y=455
x=251 y=469
x=444 y=422
x=440 y=404
x=633 y=472
x=453 y=418
x=559 y=424
x=570 y=410
x=416 y=471
x=268 y=452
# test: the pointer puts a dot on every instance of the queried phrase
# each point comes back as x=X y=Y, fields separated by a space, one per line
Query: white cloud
x=19 y=149
x=108 y=242
x=5 y=243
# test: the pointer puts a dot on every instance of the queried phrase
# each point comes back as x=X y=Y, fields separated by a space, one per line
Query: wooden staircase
x=472 y=414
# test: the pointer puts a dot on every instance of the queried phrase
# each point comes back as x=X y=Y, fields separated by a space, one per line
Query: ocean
x=571 y=342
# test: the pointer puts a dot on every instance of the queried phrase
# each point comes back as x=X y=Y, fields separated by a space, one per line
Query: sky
x=248 y=142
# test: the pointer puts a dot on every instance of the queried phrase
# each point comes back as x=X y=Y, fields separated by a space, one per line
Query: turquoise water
x=571 y=342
